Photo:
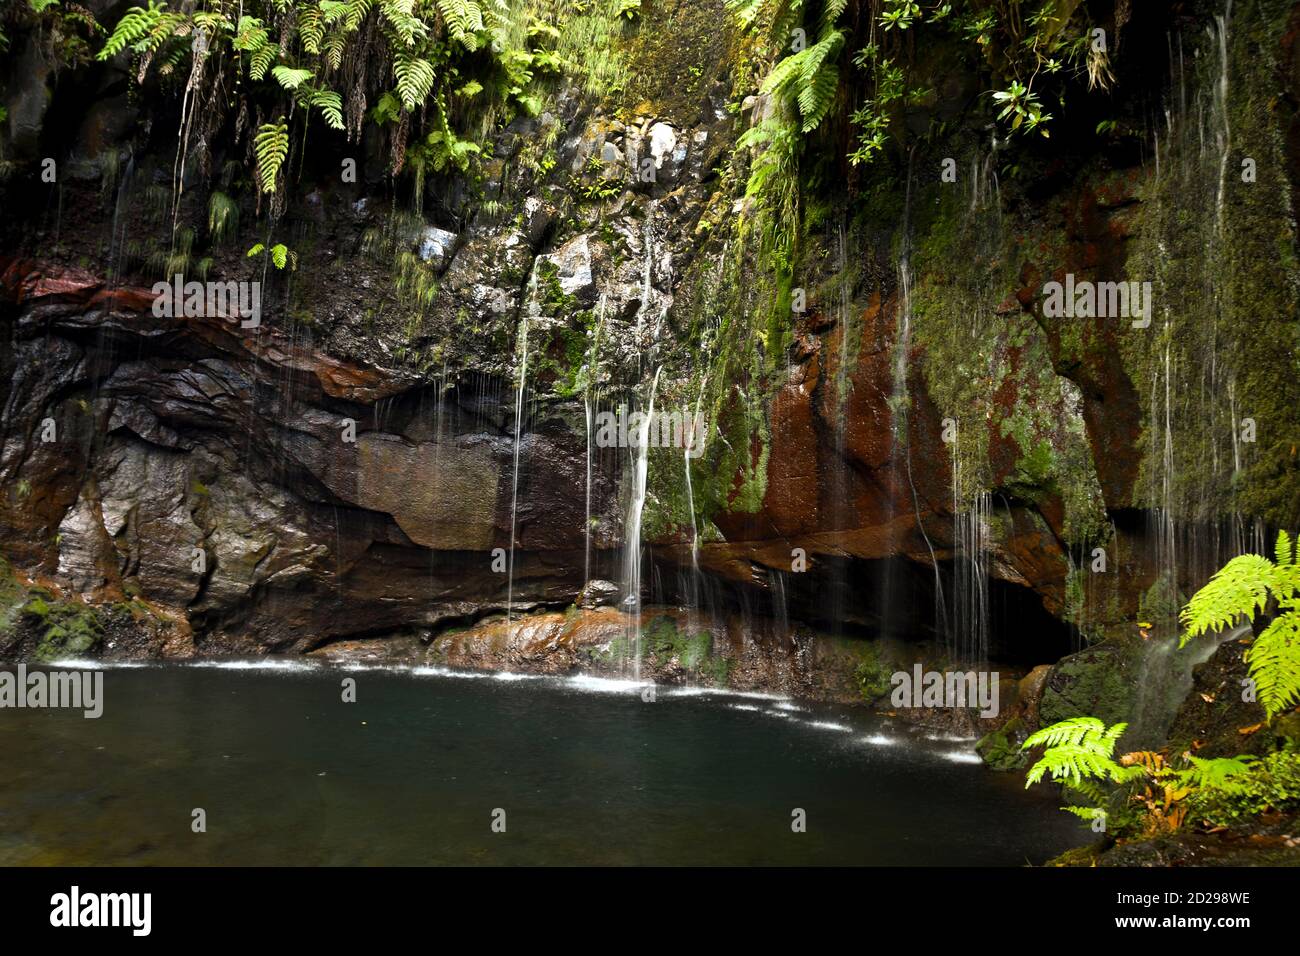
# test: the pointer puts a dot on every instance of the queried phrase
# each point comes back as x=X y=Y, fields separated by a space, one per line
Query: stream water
x=586 y=770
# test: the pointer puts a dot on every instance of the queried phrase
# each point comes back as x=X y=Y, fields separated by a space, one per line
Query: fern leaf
x=464 y=19
x=1274 y=660
x=271 y=146
x=1285 y=549
x=1071 y=731
x=134 y=26
x=311 y=27
x=817 y=96
x=415 y=78
x=330 y=105
x=1240 y=587
x=291 y=77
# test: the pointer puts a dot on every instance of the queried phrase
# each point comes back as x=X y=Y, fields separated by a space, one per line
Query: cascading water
x=694 y=445
x=632 y=543
x=898 y=404
x=519 y=427
x=591 y=397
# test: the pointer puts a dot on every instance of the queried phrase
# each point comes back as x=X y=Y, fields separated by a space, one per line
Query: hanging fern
x=415 y=79
x=291 y=78
x=136 y=24
x=1243 y=588
x=330 y=105
x=464 y=19
x=271 y=146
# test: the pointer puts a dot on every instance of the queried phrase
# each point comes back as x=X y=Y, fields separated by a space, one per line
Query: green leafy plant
x=1246 y=587
x=1079 y=750
x=280 y=254
x=298 y=60
x=1271 y=783
x=223 y=217
x=271 y=145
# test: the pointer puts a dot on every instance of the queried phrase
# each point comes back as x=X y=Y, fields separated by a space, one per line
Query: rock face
x=924 y=453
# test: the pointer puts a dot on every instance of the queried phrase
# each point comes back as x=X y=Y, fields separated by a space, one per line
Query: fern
x=311 y=28
x=464 y=19
x=271 y=146
x=1224 y=773
x=291 y=78
x=136 y=24
x=223 y=217
x=1274 y=662
x=251 y=37
x=1079 y=749
x=330 y=105
x=415 y=79
x=1243 y=588
x=399 y=16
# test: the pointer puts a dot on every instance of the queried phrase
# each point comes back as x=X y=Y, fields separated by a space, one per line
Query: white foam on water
x=512 y=676
x=268 y=664
x=880 y=740
x=779 y=713
x=753 y=707
x=433 y=671
x=605 y=685
x=724 y=692
x=786 y=705
x=828 y=725
x=87 y=664
x=950 y=738
x=961 y=756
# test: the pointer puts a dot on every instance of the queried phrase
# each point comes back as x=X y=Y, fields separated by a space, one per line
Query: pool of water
x=415 y=771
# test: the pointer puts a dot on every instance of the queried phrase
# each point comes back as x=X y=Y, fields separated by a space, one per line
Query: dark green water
x=586 y=772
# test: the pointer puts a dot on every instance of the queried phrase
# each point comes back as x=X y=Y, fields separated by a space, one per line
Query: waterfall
x=970 y=638
x=519 y=427
x=592 y=394
x=586 y=525
x=690 y=501
x=898 y=404
x=632 y=534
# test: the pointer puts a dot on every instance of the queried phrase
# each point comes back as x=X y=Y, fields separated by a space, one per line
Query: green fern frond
x=1274 y=661
x=1222 y=773
x=311 y=27
x=1284 y=550
x=817 y=96
x=291 y=77
x=415 y=79
x=271 y=146
x=330 y=105
x=1078 y=750
x=223 y=217
x=1073 y=731
x=1241 y=587
x=464 y=19
x=136 y=24
x=332 y=50
x=1086 y=813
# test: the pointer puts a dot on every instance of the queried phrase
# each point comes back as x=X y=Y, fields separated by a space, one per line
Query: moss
x=1224 y=273
x=70 y=628
x=673 y=53
x=1001 y=748
x=872 y=675
x=662 y=641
